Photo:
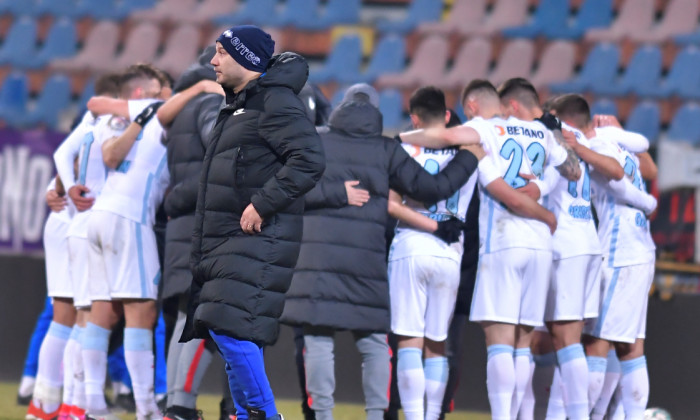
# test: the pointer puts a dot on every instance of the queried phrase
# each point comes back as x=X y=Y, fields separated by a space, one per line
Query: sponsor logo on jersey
x=514 y=130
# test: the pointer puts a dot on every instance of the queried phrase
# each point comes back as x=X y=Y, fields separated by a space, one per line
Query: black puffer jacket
x=186 y=141
x=263 y=151
x=341 y=275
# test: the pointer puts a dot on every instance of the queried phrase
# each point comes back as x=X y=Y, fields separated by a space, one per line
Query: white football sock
x=78 y=370
x=138 y=352
x=542 y=378
x=500 y=380
x=47 y=395
x=527 y=406
x=634 y=387
x=612 y=378
x=436 y=370
x=596 y=378
x=616 y=411
x=410 y=380
x=555 y=406
x=574 y=379
x=521 y=362
x=68 y=373
x=95 y=343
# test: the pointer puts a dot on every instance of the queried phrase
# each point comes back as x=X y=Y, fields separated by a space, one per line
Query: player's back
x=623 y=230
x=570 y=202
x=137 y=185
x=516 y=148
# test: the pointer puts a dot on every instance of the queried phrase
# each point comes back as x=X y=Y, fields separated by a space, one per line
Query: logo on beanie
x=244 y=51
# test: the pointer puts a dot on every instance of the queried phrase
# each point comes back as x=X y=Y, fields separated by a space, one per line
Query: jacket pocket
x=238 y=167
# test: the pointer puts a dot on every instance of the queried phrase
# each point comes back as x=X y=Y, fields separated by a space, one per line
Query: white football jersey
x=68 y=150
x=137 y=186
x=516 y=147
x=570 y=201
x=623 y=230
x=411 y=242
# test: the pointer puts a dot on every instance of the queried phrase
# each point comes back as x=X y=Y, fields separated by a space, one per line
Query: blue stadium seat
x=550 y=13
x=682 y=79
x=645 y=119
x=257 y=12
x=419 y=11
x=688 y=39
x=591 y=14
x=61 y=42
x=98 y=9
x=644 y=69
x=56 y=8
x=600 y=68
x=55 y=97
x=14 y=95
x=685 y=125
x=300 y=13
x=389 y=57
x=20 y=43
x=343 y=62
x=341 y=12
x=604 y=106
x=21 y=7
x=391 y=108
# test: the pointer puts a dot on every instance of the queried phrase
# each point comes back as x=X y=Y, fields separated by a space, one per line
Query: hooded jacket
x=341 y=275
x=186 y=141
x=263 y=150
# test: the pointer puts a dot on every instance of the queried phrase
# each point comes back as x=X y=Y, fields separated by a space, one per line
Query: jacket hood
x=357 y=119
x=199 y=70
x=287 y=69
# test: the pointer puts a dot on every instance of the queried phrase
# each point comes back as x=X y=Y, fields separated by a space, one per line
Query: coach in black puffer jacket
x=340 y=280
x=263 y=151
x=186 y=141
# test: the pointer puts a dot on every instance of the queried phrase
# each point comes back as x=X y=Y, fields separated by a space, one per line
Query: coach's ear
x=448 y=115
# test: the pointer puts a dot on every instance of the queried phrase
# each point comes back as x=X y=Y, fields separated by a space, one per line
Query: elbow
x=618 y=173
x=93 y=105
x=110 y=161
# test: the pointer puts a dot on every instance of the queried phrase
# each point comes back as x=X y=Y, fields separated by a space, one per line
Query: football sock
x=521 y=363
x=95 y=342
x=634 y=387
x=612 y=378
x=542 y=379
x=68 y=373
x=616 y=410
x=527 y=406
x=436 y=372
x=138 y=353
x=47 y=395
x=411 y=381
x=574 y=379
x=78 y=370
x=500 y=380
x=555 y=406
x=596 y=378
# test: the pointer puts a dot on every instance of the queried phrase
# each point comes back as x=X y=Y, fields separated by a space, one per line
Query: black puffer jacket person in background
x=186 y=142
x=340 y=281
x=263 y=156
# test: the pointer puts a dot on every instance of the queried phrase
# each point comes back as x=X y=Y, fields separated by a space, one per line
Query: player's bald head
x=574 y=109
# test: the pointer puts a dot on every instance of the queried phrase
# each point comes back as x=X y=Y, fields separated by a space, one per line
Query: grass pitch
x=209 y=404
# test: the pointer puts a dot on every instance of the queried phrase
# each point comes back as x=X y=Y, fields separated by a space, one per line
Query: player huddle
x=560 y=297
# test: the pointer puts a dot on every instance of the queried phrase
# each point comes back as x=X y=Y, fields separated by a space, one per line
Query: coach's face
x=228 y=72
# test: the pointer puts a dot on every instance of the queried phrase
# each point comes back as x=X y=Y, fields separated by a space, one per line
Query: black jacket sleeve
x=182 y=198
x=407 y=177
x=287 y=130
x=326 y=194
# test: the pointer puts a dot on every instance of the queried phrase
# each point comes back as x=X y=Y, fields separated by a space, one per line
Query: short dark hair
x=573 y=107
x=428 y=103
x=138 y=72
x=478 y=85
x=521 y=90
x=108 y=85
x=548 y=105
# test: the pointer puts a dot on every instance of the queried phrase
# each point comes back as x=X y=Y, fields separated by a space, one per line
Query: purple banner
x=26 y=168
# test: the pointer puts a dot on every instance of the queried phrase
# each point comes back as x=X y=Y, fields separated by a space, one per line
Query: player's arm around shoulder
x=569 y=168
x=520 y=203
